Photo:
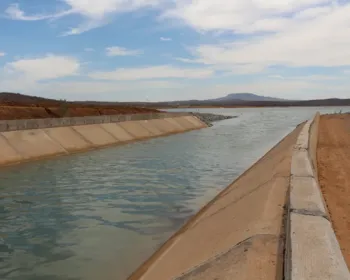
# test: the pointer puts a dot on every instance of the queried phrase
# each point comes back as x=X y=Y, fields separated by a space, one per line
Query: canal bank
x=245 y=221
x=271 y=223
x=26 y=140
x=100 y=214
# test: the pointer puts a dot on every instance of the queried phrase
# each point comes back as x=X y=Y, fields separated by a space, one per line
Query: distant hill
x=230 y=100
x=246 y=97
x=10 y=98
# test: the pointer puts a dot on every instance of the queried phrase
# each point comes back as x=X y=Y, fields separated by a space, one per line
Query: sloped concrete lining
x=312 y=250
x=118 y=132
x=68 y=138
x=250 y=211
x=7 y=152
x=237 y=262
x=33 y=143
x=185 y=123
x=95 y=134
x=195 y=121
x=164 y=126
x=136 y=129
x=177 y=126
x=151 y=127
x=315 y=250
x=30 y=144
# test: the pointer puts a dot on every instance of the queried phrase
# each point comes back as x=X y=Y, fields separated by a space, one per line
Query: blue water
x=100 y=214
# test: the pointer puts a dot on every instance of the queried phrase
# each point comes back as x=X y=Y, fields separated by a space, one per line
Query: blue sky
x=137 y=50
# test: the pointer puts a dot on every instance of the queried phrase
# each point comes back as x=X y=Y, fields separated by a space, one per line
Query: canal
x=100 y=214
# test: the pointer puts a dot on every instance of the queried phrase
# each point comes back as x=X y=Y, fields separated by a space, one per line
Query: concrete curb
x=312 y=250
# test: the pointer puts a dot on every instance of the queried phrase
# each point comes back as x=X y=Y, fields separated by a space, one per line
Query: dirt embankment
x=19 y=106
x=333 y=160
x=38 y=112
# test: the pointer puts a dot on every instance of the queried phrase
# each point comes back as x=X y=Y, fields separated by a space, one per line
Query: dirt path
x=245 y=222
x=333 y=159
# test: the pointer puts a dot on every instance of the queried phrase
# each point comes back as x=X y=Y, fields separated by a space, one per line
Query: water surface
x=100 y=214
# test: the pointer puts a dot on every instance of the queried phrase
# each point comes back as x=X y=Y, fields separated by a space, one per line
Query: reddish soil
x=333 y=160
x=20 y=106
x=22 y=112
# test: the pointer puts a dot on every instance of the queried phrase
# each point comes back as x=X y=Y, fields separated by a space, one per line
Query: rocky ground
x=210 y=118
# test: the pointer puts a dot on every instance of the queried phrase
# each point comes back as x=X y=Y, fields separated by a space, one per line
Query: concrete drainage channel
x=312 y=249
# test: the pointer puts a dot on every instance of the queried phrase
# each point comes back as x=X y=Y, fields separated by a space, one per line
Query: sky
x=158 y=50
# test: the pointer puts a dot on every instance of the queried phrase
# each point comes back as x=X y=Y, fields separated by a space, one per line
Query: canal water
x=100 y=214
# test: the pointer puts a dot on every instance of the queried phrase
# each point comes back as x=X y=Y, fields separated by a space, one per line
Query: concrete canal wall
x=24 y=140
x=312 y=249
x=271 y=223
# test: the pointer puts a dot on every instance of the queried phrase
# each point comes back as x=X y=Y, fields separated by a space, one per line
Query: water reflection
x=98 y=215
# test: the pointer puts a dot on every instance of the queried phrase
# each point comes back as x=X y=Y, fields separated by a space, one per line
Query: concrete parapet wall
x=312 y=250
x=11 y=125
x=61 y=137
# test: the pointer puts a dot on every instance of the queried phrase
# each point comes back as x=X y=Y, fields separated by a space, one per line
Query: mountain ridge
x=246 y=96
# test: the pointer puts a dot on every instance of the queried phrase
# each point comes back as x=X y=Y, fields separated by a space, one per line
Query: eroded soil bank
x=333 y=159
x=245 y=222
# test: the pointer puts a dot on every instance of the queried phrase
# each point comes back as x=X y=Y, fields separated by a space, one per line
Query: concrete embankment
x=25 y=140
x=239 y=234
x=271 y=223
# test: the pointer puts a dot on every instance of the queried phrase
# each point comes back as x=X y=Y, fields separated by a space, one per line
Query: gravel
x=210 y=118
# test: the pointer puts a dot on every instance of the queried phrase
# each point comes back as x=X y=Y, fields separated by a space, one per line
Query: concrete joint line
x=303 y=176
x=306 y=212
x=246 y=242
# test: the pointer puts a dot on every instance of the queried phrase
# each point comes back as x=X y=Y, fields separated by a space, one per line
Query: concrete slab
x=252 y=205
x=136 y=129
x=95 y=134
x=33 y=143
x=118 y=132
x=303 y=139
x=185 y=123
x=164 y=126
x=254 y=258
x=315 y=250
x=68 y=138
x=7 y=153
x=305 y=196
x=301 y=165
x=196 y=122
x=151 y=127
x=174 y=123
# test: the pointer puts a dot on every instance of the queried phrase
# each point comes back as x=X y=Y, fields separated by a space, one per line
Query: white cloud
x=15 y=13
x=94 y=13
x=2 y=54
x=318 y=78
x=153 y=72
x=48 y=67
x=239 y=16
x=165 y=39
x=120 y=51
x=319 y=41
x=166 y=90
